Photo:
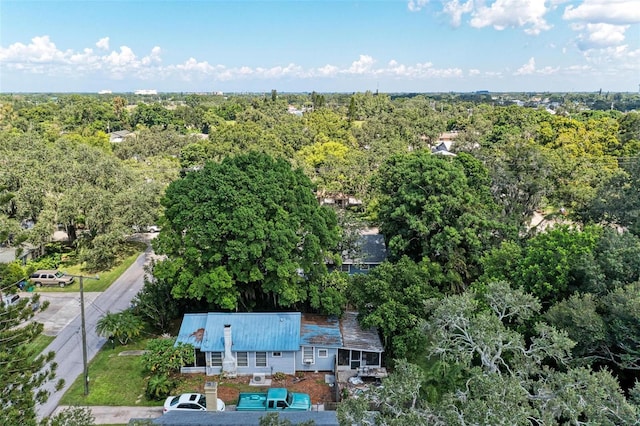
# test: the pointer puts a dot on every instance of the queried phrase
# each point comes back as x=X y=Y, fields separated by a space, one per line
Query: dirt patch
x=229 y=389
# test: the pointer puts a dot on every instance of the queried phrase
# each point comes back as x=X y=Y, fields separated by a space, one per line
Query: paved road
x=68 y=342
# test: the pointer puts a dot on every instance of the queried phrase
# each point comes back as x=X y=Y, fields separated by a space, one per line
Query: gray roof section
x=371 y=250
x=241 y=418
x=355 y=337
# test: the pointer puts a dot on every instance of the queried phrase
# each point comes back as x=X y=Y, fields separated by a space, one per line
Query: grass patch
x=113 y=380
x=106 y=277
x=40 y=343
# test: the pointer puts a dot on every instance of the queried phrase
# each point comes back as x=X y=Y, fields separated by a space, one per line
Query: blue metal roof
x=272 y=331
x=319 y=330
x=192 y=330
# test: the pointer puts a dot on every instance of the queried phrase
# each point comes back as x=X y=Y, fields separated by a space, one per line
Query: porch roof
x=355 y=337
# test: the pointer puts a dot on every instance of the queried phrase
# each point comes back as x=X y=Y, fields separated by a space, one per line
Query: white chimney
x=229 y=362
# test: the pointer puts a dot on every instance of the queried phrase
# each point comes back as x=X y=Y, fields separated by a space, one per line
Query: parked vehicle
x=46 y=277
x=10 y=299
x=274 y=399
x=13 y=299
x=189 y=402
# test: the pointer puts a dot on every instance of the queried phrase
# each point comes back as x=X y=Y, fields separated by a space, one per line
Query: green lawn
x=106 y=278
x=40 y=343
x=113 y=380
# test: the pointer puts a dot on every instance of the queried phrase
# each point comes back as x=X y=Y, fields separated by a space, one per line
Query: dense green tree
x=391 y=298
x=429 y=208
x=514 y=380
x=22 y=370
x=152 y=115
x=617 y=201
x=612 y=263
x=519 y=172
x=549 y=259
x=154 y=303
x=247 y=231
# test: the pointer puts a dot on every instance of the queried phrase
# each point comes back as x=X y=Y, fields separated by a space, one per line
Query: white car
x=189 y=402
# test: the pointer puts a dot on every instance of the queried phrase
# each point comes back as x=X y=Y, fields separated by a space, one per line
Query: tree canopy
x=247 y=231
x=437 y=208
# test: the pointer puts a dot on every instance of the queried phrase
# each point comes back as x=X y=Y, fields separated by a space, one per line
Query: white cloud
x=527 y=69
x=474 y=72
x=362 y=65
x=192 y=65
x=416 y=5
x=602 y=35
x=605 y=11
x=455 y=9
x=501 y=14
x=41 y=49
x=122 y=59
x=328 y=71
x=103 y=43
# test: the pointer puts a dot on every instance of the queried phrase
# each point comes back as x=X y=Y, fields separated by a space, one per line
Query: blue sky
x=326 y=46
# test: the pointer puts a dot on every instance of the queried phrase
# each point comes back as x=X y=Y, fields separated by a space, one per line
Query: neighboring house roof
x=320 y=330
x=10 y=254
x=355 y=337
x=119 y=135
x=242 y=418
x=371 y=250
x=249 y=331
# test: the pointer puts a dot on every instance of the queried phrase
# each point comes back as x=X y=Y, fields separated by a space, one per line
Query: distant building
x=444 y=144
x=119 y=136
x=146 y=92
x=23 y=253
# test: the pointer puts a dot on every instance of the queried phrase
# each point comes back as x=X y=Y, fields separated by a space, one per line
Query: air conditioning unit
x=259 y=377
x=308 y=361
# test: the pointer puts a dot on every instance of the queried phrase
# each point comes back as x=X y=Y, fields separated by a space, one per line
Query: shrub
x=279 y=376
x=159 y=387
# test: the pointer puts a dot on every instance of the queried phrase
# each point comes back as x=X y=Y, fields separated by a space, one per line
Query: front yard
x=117 y=380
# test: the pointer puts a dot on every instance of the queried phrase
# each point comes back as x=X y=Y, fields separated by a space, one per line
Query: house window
x=307 y=355
x=216 y=359
x=371 y=358
x=277 y=354
x=242 y=359
x=344 y=268
x=323 y=353
x=364 y=267
x=343 y=357
x=261 y=359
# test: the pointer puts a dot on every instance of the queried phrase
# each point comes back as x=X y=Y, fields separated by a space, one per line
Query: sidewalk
x=119 y=415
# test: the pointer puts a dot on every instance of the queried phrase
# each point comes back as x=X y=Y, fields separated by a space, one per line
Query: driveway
x=63 y=309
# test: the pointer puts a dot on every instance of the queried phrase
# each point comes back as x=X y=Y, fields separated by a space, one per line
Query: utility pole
x=84 y=331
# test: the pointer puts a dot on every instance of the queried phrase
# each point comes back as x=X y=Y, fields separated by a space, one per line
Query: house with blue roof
x=267 y=343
